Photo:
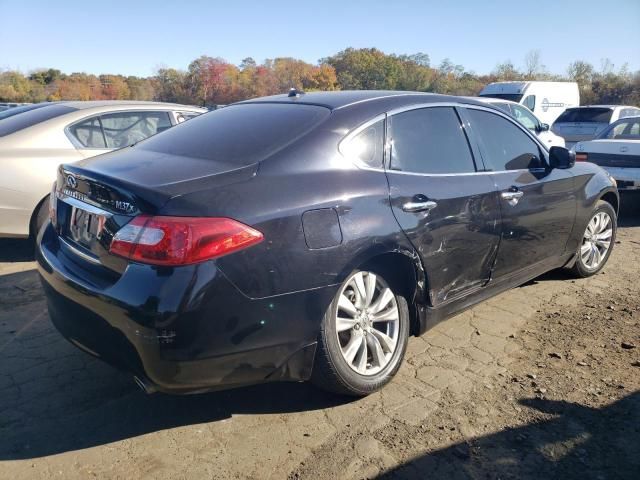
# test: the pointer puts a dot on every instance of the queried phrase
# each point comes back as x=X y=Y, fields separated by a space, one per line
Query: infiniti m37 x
x=308 y=236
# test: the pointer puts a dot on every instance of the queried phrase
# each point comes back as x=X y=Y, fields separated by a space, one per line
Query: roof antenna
x=294 y=93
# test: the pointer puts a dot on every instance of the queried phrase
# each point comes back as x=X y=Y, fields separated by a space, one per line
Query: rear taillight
x=581 y=157
x=181 y=240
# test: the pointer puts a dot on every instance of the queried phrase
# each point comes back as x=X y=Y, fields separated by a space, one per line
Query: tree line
x=214 y=81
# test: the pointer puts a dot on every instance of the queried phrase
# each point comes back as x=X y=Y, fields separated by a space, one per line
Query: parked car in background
x=617 y=150
x=35 y=139
x=6 y=106
x=546 y=99
x=584 y=123
x=308 y=235
x=527 y=118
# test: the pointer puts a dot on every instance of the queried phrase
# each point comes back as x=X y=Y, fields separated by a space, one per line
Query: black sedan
x=307 y=236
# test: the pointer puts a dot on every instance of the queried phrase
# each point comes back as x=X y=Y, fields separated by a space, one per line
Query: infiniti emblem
x=71 y=181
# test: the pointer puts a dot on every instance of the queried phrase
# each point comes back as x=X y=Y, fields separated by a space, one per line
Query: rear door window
x=505 y=145
x=184 y=116
x=127 y=128
x=586 y=115
x=429 y=140
x=625 y=130
x=89 y=133
x=240 y=134
x=367 y=147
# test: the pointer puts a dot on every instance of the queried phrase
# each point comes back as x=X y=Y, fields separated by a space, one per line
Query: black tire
x=331 y=371
x=40 y=217
x=580 y=269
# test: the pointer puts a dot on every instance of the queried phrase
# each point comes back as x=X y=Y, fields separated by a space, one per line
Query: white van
x=546 y=99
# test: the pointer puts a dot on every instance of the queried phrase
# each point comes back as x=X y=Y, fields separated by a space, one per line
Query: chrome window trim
x=419 y=106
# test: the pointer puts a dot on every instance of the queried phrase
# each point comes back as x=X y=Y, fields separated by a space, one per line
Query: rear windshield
x=30 y=117
x=514 y=97
x=585 y=115
x=239 y=134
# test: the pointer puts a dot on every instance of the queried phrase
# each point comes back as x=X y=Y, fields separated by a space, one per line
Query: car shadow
x=629 y=214
x=16 y=250
x=578 y=442
x=84 y=403
x=55 y=398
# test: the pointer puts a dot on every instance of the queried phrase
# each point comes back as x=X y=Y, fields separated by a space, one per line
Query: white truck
x=546 y=99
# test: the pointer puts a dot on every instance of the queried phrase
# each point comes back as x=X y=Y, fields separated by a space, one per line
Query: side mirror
x=543 y=127
x=560 y=157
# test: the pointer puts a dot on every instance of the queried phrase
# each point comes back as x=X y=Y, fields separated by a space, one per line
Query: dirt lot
x=540 y=382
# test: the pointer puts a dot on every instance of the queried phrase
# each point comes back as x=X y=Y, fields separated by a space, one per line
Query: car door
x=448 y=210
x=538 y=204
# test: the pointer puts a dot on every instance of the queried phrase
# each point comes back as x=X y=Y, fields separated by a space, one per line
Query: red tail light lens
x=181 y=240
x=581 y=157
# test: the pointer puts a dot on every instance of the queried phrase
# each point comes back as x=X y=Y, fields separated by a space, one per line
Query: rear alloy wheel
x=597 y=242
x=363 y=336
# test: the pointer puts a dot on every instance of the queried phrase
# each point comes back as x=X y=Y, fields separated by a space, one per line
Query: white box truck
x=546 y=99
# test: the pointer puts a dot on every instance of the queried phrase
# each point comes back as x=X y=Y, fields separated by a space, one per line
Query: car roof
x=345 y=98
x=82 y=105
x=602 y=106
x=492 y=100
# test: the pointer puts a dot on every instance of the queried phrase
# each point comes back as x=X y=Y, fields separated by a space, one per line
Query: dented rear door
x=447 y=208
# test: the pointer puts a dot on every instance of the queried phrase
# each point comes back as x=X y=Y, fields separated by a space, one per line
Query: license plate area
x=85 y=227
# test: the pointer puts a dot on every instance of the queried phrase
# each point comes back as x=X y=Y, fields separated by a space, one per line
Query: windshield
x=31 y=117
x=514 y=97
x=628 y=129
x=586 y=115
x=240 y=134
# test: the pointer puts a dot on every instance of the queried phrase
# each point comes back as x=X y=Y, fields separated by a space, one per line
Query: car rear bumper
x=181 y=330
x=627 y=178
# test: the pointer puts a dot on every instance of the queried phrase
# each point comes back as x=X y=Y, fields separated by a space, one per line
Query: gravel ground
x=542 y=381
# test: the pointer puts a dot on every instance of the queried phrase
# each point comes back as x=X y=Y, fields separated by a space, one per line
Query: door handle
x=512 y=196
x=419 y=206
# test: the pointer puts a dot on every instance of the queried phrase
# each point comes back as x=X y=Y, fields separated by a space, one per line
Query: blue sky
x=135 y=37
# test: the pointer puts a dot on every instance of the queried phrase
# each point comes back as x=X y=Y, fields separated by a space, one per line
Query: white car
x=546 y=99
x=617 y=150
x=35 y=139
x=584 y=123
x=528 y=119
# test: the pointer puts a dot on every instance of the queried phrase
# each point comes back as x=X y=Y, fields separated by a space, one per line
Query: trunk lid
x=95 y=198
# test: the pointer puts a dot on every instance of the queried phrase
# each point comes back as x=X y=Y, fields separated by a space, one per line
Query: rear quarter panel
x=591 y=183
x=308 y=175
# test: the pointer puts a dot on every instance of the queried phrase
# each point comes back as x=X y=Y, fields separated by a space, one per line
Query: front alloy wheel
x=363 y=336
x=597 y=241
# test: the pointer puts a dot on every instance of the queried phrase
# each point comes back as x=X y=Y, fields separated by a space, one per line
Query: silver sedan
x=35 y=139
